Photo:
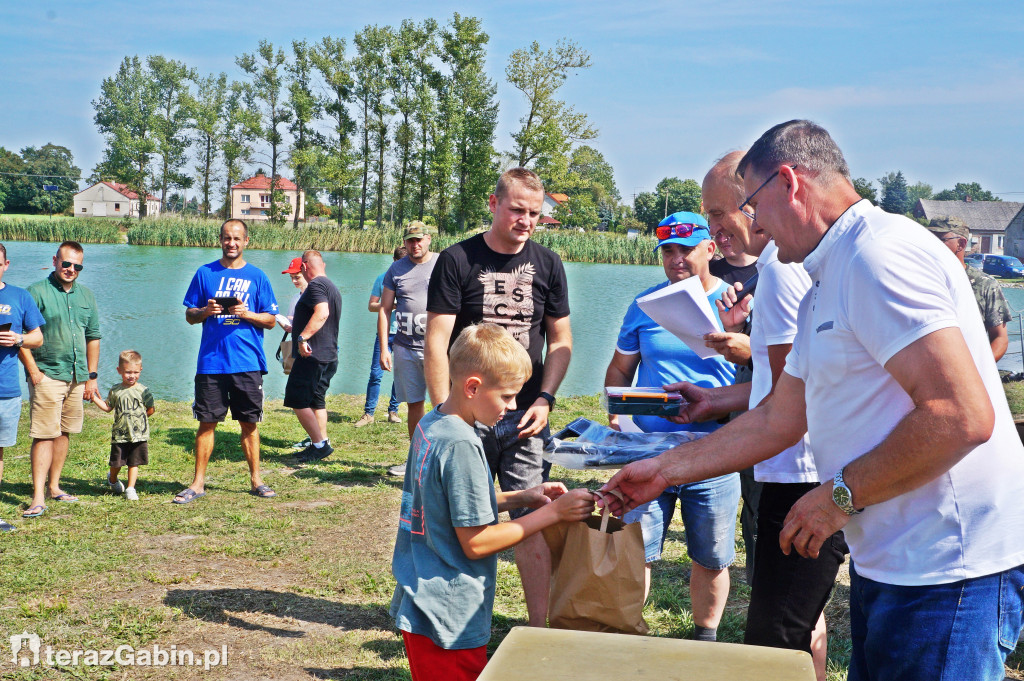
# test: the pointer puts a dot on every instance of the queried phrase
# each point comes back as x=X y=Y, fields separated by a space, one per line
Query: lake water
x=139 y=290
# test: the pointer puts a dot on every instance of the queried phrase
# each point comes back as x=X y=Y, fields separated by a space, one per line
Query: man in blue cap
x=708 y=507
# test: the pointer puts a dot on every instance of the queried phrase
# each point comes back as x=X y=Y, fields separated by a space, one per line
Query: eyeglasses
x=682 y=231
x=949 y=238
x=65 y=264
x=753 y=216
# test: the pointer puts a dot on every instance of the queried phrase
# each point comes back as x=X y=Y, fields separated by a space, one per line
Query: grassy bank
x=296 y=587
x=591 y=247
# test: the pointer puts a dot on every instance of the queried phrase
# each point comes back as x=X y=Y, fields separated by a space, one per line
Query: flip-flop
x=187 y=495
x=65 y=497
x=34 y=511
x=263 y=492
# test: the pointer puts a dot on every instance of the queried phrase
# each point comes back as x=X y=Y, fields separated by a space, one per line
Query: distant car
x=1003 y=266
x=975 y=260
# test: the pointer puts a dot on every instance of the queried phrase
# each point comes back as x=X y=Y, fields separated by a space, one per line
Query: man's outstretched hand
x=639 y=482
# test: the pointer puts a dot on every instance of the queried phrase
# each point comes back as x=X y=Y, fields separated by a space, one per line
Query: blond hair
x=129 y=357
x=490 y=351
x=524 y=177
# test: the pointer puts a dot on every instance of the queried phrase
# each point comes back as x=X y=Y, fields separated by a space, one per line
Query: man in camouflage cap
x=994 y=310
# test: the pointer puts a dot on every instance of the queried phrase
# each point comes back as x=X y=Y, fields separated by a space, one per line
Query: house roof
x=558 y=198
x=548 y=220
x=263 y=182
x=985 y=216
x=122 y=189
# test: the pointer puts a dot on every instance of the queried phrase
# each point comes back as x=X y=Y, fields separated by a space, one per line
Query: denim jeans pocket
x=1011 y=604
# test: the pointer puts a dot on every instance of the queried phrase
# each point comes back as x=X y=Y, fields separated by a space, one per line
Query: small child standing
x=132 y=404
x=445 y=559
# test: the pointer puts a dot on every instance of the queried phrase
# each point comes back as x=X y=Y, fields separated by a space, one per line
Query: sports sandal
x=187 y=495
x=263 y=492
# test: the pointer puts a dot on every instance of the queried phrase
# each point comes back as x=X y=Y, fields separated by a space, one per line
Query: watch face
x=841 y=496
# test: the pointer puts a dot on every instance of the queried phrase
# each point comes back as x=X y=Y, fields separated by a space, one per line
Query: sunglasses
x=65 y=264
x=682 y=231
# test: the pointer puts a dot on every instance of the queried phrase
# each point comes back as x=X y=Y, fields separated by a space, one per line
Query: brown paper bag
x=284 y=355
x=597 y=576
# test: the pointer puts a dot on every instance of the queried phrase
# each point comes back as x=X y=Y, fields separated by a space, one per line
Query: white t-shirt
x=780 y=288
x=881 y=282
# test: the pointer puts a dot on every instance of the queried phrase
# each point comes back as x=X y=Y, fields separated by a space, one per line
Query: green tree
x=242 y=127
x=578 y=212
x=895 y=198
x=208 y=121
x=866 y=189
x=647 y=207
x=173 y=118
x=671 y=195
x=550 y=126
x=590 y=165
x=127 y=114
x=53 y=165
x=963 y=190
x=474 y=112
x=335 y=163
x=916 y=191
x=371 y=77
x=17 y=188
x=266 y=70
x=305 y=108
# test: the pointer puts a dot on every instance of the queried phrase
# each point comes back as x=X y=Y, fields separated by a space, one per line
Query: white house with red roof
x=113 y=199
x=547 y=212
x=250 y=200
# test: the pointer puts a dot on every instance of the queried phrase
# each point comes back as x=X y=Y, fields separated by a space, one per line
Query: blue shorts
x=10 y=412
x=708 y=509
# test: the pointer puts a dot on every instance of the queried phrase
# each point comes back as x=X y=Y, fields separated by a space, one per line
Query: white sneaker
x=117 y=487
x=131 y=495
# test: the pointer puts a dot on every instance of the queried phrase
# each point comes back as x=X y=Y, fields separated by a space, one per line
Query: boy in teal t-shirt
x=445 y=559
x=132 y=404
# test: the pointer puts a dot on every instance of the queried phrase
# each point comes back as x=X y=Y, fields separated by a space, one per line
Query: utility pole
x=666 y=207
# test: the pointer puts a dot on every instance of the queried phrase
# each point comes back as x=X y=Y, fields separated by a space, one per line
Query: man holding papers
x=708 y=507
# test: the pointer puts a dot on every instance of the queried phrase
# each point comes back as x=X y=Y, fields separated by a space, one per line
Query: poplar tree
x=171 y=80
x=127 y=112
x=370 y=70
x=241 y=129
x=267 y=84
x=208 y=120
x=305 y=108
x=334 y=157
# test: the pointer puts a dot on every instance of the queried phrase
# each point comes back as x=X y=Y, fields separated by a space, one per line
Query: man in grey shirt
x=405 y=291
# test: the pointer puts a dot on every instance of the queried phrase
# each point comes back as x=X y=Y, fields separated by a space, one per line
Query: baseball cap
x=940 y=226
x=415 y=230
x=294 y=267
x=683 y=228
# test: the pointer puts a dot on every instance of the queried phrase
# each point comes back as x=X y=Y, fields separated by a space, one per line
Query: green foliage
x=671 y=195
x=50 y=164
x=895 y=198
x=917 y=191
x=173 y=118
x=57 y=229
x=865 y=189
x=963 y=190
x=550 y=125
x=209 y=118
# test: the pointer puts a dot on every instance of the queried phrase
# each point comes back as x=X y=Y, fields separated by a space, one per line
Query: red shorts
x=428 y=661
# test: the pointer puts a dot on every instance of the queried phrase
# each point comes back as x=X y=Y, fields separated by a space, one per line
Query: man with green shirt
x=61 y=373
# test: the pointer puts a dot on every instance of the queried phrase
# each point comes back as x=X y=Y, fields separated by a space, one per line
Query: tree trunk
x=366 y=161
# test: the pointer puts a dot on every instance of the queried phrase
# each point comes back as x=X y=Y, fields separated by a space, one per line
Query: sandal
x=65 y=497
x=263 y=492
x=187 y=495
x=34 y=511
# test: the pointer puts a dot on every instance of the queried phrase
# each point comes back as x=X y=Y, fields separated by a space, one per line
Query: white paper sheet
x=683 y=309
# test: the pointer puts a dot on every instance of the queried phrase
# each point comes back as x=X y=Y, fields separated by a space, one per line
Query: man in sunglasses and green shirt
x=61 y=373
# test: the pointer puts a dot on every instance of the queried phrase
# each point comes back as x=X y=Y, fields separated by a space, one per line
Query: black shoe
x=311 y=453
x=6 y=527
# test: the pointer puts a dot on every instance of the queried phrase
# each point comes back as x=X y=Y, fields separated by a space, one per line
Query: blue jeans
x=376 y=374
x=940 y=632
x=708 y=509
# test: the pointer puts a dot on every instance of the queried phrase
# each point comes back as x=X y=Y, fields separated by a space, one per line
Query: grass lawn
x=295 y=587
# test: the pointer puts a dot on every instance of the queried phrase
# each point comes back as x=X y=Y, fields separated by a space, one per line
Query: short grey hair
x=798 y=142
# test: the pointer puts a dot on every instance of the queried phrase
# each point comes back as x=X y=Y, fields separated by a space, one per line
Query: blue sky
x=935 y=89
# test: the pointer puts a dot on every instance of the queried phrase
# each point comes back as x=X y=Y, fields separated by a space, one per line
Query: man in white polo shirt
x=892 y=377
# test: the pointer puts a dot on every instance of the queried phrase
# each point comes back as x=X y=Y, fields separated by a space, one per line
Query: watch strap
x=550 y=398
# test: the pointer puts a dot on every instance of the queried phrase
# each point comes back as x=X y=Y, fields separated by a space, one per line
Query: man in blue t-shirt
x=20 y=322
x=657 y=358
x=234 y=302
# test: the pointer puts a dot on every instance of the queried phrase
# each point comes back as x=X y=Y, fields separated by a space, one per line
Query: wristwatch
x=550 y=398
x=842 y=495
x=93 y=375
x=299 y=339
x=21 y=341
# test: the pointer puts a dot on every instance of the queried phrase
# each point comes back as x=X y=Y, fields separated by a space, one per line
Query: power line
x=66 y=177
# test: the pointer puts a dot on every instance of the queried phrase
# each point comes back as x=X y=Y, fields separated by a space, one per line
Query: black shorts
x=242 y=392
x=129 y=454
x=788 y=593
x=308 y=383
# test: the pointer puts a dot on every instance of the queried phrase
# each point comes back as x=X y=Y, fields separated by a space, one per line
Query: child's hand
x=577 y=504
x=541 y=495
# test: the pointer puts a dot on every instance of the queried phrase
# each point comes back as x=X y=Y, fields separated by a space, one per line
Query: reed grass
x=57 y=229
x=591 y=247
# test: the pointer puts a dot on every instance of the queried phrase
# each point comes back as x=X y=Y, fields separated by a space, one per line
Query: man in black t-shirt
x=502 y=276
x=315 y=324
